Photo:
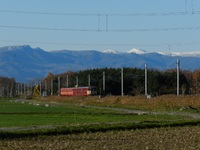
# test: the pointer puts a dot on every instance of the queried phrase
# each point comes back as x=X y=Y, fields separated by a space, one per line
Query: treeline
x=159 y=82
x=7 y=87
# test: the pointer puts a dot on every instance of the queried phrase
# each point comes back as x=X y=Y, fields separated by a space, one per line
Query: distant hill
x=26 y=63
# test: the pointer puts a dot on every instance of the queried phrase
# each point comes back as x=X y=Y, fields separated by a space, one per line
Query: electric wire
x=156 y=29
x=46 y=13
x=105 y=30
x=108 y=14
x=44 y=28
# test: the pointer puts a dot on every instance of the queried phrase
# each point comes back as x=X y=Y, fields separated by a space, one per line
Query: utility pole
x=45 y=84
x=24 y=89
x=76 y=81
x=146 y=92
x=46 y=87
x=67 y=81
x=122 y=82
x=58 y=86
x=89 y=80
x=51 y=87
x=18 y=91
x=178 y=70
x=106 y=23
x=40 y=88
x=104 y=86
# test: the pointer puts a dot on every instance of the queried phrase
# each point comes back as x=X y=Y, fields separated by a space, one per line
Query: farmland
x=158 y=138
x=111 y=122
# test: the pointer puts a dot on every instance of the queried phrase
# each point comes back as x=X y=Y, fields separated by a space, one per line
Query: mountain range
x=26 y=63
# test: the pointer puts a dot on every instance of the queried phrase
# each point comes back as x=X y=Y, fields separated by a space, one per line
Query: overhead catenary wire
x=105 y=30
x=155 y=29
x=103 y=22
x=44 y=28
x=104 y=14
x=46 y=13
x=106 y=17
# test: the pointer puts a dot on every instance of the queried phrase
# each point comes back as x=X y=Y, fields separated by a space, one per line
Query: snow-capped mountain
x=137 y=51
x=26 y=63
x=186 y=54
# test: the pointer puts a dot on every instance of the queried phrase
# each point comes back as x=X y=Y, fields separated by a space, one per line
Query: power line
x=155 y=14
x=105 y=30
x=156 y=29
x=108 y=14
x=44 y=28
x=46 y=13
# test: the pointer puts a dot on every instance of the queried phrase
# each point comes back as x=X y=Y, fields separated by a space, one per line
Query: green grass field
x=30 y=120
x=25 y=113
x=71 y=116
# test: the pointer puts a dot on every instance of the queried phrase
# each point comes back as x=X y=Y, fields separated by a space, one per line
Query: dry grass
x=137 y=102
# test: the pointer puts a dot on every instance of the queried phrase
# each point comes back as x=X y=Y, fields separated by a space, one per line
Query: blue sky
x=152 y=25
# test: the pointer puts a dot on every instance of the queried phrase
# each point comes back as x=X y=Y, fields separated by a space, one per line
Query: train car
x=78 y=91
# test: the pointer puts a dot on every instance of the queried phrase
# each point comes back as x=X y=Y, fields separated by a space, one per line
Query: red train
x=78 y=91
